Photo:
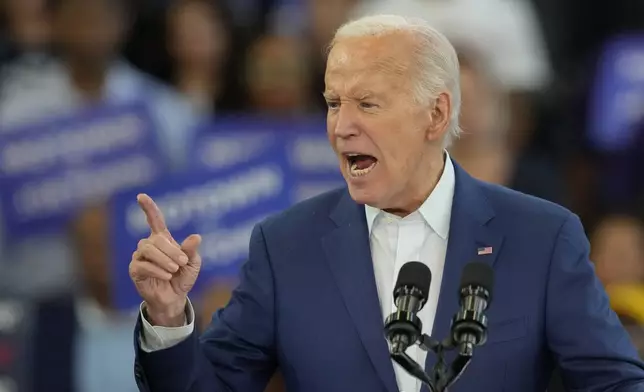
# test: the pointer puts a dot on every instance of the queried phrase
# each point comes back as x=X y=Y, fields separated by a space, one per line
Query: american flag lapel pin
x=486 y=250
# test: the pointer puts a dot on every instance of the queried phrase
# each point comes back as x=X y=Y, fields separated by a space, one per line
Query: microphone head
x=414 y=274
x=478 y=274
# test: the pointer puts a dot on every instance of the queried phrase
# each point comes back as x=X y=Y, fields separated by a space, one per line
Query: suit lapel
x=468 y=231
x=349 y=256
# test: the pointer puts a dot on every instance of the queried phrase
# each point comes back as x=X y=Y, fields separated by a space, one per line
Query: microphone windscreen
x=416 y=274
x=478 y=274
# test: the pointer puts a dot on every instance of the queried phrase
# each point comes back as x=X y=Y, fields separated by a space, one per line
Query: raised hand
x=162 y=270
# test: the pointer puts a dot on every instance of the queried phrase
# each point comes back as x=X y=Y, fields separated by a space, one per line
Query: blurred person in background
x=484 y=148
x=277 y=73
x=199 y=41
x=88 y=70
x=236 y=23
x=325 y=17
x=25 y=28
x=81 y=342
x=322 y=19
x=618 y=252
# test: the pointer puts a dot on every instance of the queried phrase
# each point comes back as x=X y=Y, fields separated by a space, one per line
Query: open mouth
x=360 y=164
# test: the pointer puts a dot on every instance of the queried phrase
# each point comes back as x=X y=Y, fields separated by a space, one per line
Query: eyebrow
x=364 y=94
x=329 y=95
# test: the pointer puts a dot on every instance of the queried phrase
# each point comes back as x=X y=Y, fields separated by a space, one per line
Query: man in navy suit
x=318 y=282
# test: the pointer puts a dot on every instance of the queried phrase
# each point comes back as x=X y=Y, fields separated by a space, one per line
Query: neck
x=193 y=76
x=88 y=78
x=101 y=296
x=428 y=178
x=199 y=83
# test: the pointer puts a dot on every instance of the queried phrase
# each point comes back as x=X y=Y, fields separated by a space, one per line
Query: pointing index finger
x=152 y=213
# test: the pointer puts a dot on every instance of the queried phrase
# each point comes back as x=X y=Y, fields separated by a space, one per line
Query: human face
x=481 y=117
x=278 y=76
x=617 y=250
x=89 y=30
x=198 y=35
x=388 y=145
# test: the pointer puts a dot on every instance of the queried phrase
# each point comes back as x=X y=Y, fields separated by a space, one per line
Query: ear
x=440 y=117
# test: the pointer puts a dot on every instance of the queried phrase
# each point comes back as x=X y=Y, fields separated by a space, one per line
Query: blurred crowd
x=531 y=73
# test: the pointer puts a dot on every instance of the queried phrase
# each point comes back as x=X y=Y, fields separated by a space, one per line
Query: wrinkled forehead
x=364 y=60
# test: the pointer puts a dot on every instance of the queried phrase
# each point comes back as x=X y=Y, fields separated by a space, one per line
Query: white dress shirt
x=420 y=236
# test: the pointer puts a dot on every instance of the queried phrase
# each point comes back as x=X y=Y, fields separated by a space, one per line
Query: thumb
x=191 y=246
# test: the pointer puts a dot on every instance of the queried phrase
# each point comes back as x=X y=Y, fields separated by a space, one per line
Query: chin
x=365 y=195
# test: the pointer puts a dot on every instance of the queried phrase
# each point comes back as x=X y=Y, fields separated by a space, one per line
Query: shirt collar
x=436 y=210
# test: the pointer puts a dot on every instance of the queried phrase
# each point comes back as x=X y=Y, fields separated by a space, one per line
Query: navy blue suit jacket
x=307 y=302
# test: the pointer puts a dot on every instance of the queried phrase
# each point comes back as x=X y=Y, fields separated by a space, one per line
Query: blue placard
x=617 y=101
x=303 y=141
x=232 y=141
x=222 y=205
x=314 y=164
x=50 y=169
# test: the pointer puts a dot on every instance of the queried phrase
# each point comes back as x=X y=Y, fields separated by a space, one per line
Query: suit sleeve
x=585 y=336
x=237 y=351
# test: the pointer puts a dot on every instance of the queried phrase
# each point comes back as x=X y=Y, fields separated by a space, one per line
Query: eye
x=333 y=104
x=367 y=105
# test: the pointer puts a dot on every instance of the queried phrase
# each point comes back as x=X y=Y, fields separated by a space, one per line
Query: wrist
x=169 y=316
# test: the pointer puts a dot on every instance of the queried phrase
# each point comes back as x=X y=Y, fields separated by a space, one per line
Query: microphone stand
x=442 y=376
x=414 y=369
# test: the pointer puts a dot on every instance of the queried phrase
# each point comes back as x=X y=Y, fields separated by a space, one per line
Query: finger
x=151 y=253
x=152 y=214
x=190 y=246
x=144 y=269
x=170 y=249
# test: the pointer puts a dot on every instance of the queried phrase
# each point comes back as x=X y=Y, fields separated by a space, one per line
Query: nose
x=346 y=125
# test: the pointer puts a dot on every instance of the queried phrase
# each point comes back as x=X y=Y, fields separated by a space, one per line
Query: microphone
x=403 y=327
x=469 y=325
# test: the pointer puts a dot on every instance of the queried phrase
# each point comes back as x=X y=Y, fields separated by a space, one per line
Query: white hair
x=436 y=59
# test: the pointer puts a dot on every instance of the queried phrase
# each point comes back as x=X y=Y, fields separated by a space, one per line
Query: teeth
x=355 y=172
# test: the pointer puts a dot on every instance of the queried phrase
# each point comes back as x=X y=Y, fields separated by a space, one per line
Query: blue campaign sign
x=617 y=101
x=313 y=162
x=222 y=205
x=302 y=141
x=232 y=141
x=50 y=169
